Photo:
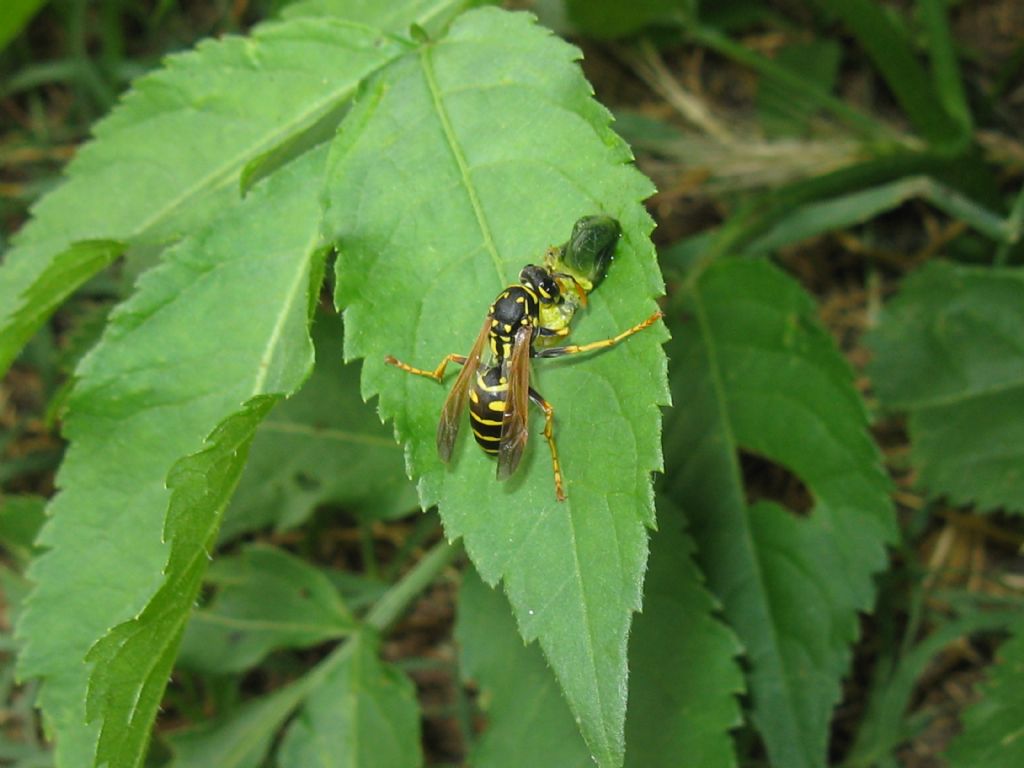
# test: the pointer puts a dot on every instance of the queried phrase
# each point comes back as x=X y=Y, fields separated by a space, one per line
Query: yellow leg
x=437 y=374
x=573 y=349
x=549 y=435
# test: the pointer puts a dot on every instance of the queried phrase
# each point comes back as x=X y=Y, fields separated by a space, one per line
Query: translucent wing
x=455 y=403
x=513 y=423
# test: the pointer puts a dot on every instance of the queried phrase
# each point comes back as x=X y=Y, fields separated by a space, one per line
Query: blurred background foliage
x=853 y=140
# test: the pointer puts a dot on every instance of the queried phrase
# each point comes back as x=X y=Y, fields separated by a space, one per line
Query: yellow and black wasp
x=521 y=319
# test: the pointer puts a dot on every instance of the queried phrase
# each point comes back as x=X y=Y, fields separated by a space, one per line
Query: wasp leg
x=437 y=374
x=573 y=349
x=549 y=435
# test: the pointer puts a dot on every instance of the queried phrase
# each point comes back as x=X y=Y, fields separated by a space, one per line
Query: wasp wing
x=455 y=403
x=513 y=422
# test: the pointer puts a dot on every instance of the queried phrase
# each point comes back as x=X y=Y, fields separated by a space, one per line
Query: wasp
x=519 y=322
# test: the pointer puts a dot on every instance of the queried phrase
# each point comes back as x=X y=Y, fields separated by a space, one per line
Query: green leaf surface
x=16 y=16
x=67 y=270
x=757 y=373
x=494 y=148
x=394 y=15
x=528 y=721
x=223 y=319
x=993 y=734
x=133 y=661
x=322 y=446
x=950 y=350
x=266 y=599
x=362 y=714
x=682 y=686
x=171 y=154
x=684 y=677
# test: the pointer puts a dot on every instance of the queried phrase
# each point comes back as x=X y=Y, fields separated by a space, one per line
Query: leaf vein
x=460 y=160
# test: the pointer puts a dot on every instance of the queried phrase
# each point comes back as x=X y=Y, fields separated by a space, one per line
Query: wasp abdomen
x=487 y=407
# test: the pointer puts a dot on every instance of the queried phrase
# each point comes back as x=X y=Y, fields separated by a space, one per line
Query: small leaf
x=222 y=320
x=322 y=446
x=267 y=599
x=68 y=270
x=950 y=350
x=395 y=15
x=993 y=734
x=756 y=372
x=509 y=151
x=362 y=714
x=684 y=678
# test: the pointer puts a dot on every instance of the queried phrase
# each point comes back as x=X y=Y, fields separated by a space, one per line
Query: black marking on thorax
x=517 y=306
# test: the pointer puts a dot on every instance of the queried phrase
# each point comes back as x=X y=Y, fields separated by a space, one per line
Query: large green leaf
x=133 y=661
x=267 y=599
x=461 y=163
x=222 y=320
x=171 y=154
x=756 y=372
x=362 y=714
x=993 y=734
x=325 y=445
x=950 y=350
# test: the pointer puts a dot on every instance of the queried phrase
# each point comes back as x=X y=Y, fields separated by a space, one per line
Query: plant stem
x=1013 y=225
x=397 y=599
